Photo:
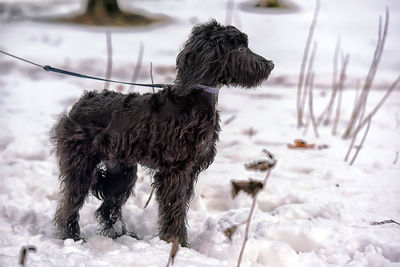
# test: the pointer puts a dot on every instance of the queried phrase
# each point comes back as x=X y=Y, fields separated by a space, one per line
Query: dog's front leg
x=174 y=188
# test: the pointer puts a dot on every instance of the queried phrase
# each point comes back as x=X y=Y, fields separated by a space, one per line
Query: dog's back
x=96 y=108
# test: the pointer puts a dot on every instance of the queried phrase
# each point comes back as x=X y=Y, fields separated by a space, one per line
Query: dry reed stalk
x=361 y=103
x=327 y=111
x=340 y=88
x=300 y=111
x=310 y=106
x=109 y=59
x=378 y=106
x=151 y=76
x=260 y=166
x=361 y=143
x=368 y=118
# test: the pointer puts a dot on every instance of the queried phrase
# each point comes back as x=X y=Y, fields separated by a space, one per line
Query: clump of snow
x=316 y=210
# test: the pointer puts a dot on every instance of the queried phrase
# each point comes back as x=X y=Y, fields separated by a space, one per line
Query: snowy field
x=316 y=210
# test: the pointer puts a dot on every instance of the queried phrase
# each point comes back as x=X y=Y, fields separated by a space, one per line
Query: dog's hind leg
x=174 y=189
x=114 y=185
x=76 y=168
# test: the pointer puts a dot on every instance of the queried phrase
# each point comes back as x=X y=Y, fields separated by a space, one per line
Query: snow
x=316 y=209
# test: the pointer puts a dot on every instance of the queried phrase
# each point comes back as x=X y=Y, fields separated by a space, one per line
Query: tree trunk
x=108 y=13
x=271 y=4
x=103 y=8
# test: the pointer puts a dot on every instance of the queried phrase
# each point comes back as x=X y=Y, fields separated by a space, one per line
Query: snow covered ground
x=316 y=210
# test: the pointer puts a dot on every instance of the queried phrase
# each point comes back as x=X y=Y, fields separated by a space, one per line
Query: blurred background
x=73 y=34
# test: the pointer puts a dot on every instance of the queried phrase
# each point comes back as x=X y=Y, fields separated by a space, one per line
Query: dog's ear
x=199 y=62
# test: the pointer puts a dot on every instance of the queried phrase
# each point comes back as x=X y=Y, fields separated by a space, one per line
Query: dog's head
x=216 y=54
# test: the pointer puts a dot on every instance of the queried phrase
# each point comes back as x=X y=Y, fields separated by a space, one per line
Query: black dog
x=105 y=135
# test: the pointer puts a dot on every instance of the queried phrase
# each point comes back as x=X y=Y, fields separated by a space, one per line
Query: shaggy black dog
x=174 y=132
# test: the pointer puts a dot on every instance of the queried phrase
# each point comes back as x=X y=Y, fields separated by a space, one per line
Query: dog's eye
x=241 y=48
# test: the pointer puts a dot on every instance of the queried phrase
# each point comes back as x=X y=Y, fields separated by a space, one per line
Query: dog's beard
x=246 y=70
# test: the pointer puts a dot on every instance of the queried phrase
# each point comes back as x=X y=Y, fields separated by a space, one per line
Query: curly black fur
x=106 y=134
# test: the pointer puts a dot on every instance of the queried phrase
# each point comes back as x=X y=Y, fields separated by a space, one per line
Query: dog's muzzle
x=270 y=65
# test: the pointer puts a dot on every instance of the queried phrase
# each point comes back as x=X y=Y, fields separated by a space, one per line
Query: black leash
x=65 y=72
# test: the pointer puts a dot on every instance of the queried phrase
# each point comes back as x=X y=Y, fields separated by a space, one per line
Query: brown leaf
x=250 y=132
x=300 y=144
x=230 y=231
x=260 y=165
x=251 y=187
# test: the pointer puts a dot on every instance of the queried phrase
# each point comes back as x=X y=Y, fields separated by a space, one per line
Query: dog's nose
x=270 y=65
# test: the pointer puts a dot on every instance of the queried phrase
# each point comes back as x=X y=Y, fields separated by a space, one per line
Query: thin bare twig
x=309 y=73
x=357 y=96
x=23 y=255
x=151 y=75
x=353 y=141
x=328 y=109
x=385 y=222
x=150 y=196
x=138 y=65
x=246 y=235
x=340 y=88
x=396 y=158
x=300 y=111
x=361 y=143
x=378 y=106
x=311 y=109
x=271 y=163
x=338 y=109
x=109 y=59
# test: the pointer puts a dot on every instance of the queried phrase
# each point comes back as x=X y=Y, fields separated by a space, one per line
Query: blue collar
x=209 y=89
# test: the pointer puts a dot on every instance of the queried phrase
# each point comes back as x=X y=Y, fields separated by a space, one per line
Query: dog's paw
x=133 y=235
x=170 y=238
